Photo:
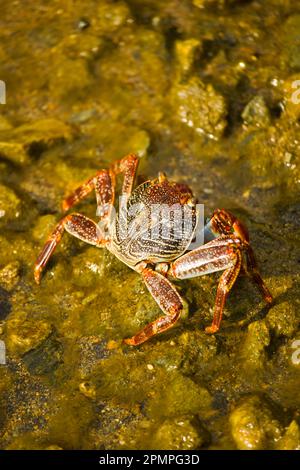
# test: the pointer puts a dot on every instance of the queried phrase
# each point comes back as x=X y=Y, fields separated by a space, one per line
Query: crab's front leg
x=77 y=225
x=167 y=297
x=221 y=254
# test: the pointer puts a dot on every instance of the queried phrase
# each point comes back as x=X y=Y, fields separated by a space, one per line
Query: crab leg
x=167 y=297
x=252 y=271
x=77 y=225
x=220 y=254
x=104 y=185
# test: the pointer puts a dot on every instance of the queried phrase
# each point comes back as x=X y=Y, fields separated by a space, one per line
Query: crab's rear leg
x=253 y=272
x=223 y=253
x=77 y=225
x=167 y=297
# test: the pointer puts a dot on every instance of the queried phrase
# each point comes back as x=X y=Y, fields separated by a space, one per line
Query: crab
x=163 y=258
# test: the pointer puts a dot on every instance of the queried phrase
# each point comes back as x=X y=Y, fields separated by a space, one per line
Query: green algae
x=203 y=91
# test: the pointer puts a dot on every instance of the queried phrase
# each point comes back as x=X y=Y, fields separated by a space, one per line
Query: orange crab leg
x=104 y=183
x=77 y=225
x=167 y=297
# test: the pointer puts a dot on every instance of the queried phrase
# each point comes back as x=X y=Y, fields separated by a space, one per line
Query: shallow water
x=207 y=92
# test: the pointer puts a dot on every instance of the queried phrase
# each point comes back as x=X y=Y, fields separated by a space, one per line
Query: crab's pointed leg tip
x=64 y=206
x=37 y=276
x=129 y=341
x=210 y=330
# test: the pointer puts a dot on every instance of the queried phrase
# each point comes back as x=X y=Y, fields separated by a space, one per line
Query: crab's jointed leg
x=167 y=297
x=252 y=271
x=104 y=185
x=77 y=225
x=223 y=253
x=80 y=226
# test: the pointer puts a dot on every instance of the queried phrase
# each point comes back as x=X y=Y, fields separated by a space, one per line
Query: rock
x=10 y=275
x=291 y=438
x=43 y=227
x=256 y=113
x=253 y=348
x=109 y=17
x=200 y=107
x=69 y=77
x=45 y=358
x=5 y=124
x=291 y=41
x=283 y=319
x=180 y=396
x=87 y=389
x=180 y=433
x=185 y=54
x=23 y=335
x=10 y=204
x=87 y=268
x=253 y=426
x=17 y=144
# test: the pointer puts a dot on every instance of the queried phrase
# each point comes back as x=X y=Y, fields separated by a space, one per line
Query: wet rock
x=256 y=113
x=5 y=125
x=253 y=348
x=88 y=268
x=109 y=17
x=69 y=77
x=291 y=438
x=87 y=389
x=23 y=334
x=283 y=319
x=179 y=396
x=186 y=52
x=17 y=144
x=180 y=433
x=291 y=41
x=200 y=107
x=45 y=358
x=291 y=97
x=43 y=227
x=10 y=275
x=253 y=425
x=10 y=204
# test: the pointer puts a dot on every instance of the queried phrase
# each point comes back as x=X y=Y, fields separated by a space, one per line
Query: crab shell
x=158 y=223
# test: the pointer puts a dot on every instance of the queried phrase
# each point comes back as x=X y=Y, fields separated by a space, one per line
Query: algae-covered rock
x=180 y=395
x=110 y=16
x=283 y=319
x=185 y=54
x=10 y=275
x=253 y=425
x=291 y=41
x=69 y=77
x=291 y=438
x=10 y=204
x=45 y=358
x=253 y=349
x=88 y=268
x=17 y=144
x=200 y=107
x=180 y=433
x=256 y=113
x=23 y=334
